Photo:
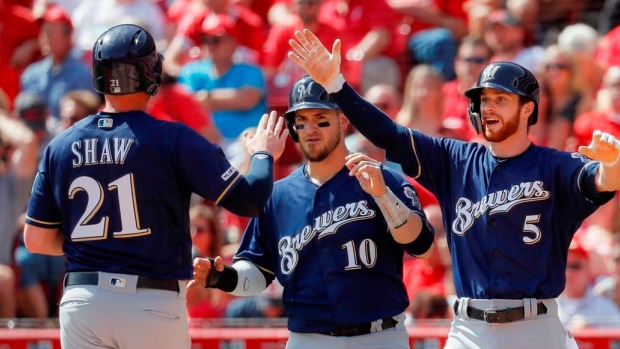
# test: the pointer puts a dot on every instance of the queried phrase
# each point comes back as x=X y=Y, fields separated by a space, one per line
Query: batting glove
x=604 y=148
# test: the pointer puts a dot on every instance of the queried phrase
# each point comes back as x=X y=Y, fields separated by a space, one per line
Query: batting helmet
x=126 y=61
x=306 y=94
x=505 y=76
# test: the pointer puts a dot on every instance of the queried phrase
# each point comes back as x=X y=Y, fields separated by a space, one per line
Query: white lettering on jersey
x=326 y=224
x=500 y=201
x=86 y=151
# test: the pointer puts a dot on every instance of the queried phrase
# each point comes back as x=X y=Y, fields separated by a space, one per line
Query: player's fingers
x=219 y=263
x=271 y=120
x=303 y=40
x=295 y=58
x=279 y=127
x=313 y=40
x=336 y=49
x=262 y=124
x=298 y=48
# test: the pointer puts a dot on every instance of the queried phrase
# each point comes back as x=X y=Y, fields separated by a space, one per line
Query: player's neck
x=119 y=104
x=321 y=172
x=510 y=147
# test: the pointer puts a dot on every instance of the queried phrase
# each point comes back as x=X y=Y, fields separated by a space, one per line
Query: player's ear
x=528 y=109
x=344 y=121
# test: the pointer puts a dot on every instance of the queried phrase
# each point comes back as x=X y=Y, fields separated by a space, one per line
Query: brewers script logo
x=489 y=72
x=325 y=224
x=500 y=201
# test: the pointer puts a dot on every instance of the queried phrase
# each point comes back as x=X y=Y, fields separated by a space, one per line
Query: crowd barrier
x=420 y=337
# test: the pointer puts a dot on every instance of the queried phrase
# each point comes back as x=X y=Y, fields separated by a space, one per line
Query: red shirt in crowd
x=590 y=121
x=17 y=25
x=173 y=103
x=455 y=115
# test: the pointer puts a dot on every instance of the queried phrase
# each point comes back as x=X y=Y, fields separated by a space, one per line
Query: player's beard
x=510 y=127
x=323 y=153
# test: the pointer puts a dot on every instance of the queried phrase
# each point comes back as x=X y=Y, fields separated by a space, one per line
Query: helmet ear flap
x=474 y=116
x=290 y=124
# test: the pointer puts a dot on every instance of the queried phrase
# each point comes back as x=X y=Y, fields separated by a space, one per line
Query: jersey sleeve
x=204 y=166
x=43 y=210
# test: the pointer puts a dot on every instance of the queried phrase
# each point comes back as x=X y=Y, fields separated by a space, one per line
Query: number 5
x=528 y=227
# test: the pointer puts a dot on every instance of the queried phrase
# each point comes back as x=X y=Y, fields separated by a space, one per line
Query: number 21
x=95 y=193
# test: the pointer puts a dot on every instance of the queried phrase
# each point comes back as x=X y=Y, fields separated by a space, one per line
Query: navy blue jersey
x=509 y=221
x=331 y=250
x=118 y=186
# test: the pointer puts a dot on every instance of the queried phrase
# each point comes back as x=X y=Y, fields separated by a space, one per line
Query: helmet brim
x=310 y=105
x=475 y=92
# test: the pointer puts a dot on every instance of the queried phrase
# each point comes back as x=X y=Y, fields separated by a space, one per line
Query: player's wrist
x=262 y=155
x=395 y=212
x=225 y=280
x=335 y=84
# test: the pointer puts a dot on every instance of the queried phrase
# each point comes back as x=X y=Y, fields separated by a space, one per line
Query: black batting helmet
x=505 y=76
x=306 y=94
x=126 y=61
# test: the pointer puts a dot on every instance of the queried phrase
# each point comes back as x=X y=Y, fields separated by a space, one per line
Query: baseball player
x=113 y=193
x=510 y=208
x=334 y=234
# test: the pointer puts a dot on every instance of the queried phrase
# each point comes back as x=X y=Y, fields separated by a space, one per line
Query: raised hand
x=368 y=173
x=604 y=148
x=311 y=54
x=202 y=268
x=270 y=136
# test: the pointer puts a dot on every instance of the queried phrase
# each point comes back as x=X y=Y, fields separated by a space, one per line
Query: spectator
x=233 y=92
x=206 y=235
x=506 y=35
x=608 y=286
x=76 y=105
x=39 y=280
x=93 y=17
x=31 y=108
x=173 y=102
x=279 y=71
x=579 y=307
x=7 y=292
x=473 y=55
x=432 y=30
x=18 y=164
x=429 y=305
x=581 y=41
x=609 y=16
x=386 y=98
x=59 y=72
x=367 y=34
x=193 y=15
x=567 y=97
x=19 y=45
x=423 y=102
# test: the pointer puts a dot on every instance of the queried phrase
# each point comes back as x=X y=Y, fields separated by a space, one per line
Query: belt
x=92 y=278
x=386 y=323
x=493 y=316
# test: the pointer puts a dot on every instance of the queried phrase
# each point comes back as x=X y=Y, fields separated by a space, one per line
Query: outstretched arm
x=324 y=67
x=605 y=148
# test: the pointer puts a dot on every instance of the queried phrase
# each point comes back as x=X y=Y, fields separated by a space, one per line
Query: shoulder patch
x=411 y=194
x=226 y=175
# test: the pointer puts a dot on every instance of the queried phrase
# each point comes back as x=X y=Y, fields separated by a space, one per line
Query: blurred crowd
x=226 y=65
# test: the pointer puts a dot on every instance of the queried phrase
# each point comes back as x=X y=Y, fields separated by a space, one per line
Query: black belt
x=92 y=278
x=494 y=316
x=387 y=322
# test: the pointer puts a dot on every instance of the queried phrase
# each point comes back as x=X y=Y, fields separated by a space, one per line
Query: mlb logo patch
x=117 y=282
x=228 y=173
x=105 y=123
x=115 y=90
